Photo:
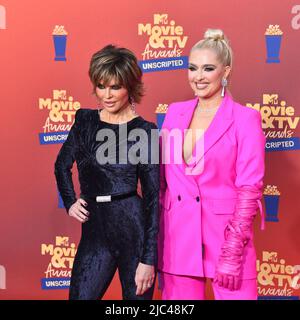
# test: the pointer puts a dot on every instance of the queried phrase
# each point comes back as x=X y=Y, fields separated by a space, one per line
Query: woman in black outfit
x=112 y=149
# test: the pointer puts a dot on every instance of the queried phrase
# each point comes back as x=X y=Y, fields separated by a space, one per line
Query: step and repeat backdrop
x=45 y=51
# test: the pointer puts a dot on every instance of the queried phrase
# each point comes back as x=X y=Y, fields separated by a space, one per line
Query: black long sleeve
x=84 y=146
x=63 y=167
x=149 y=178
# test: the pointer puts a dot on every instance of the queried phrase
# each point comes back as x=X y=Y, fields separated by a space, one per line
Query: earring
x=224 y=84
x=132 y=105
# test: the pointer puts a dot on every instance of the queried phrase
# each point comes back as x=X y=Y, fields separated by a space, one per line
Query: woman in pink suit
x=212 y=177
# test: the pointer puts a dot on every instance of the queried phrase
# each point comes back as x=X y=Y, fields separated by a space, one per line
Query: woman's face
x=112 y=96
x=206 y=72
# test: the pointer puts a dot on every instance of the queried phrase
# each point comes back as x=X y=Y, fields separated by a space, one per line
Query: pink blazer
x=196 y=208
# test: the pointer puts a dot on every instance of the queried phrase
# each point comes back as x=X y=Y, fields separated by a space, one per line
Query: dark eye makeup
x=114 y=87
x=192 y=68
x=207 y=68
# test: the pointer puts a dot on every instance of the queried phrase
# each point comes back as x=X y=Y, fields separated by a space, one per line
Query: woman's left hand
x=228 y=281
x=144 y=277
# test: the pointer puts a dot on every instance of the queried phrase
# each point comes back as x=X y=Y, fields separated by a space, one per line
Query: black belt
x=109 y=198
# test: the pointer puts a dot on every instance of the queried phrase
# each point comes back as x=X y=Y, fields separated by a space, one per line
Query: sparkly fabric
x=118 y=234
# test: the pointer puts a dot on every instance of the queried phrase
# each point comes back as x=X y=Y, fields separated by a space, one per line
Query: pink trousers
x=176 y=287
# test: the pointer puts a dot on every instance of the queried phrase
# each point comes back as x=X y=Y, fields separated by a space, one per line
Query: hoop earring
x=224 y=84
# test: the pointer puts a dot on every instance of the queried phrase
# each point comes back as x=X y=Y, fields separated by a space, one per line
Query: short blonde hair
x=215 y=39
x=119 y=64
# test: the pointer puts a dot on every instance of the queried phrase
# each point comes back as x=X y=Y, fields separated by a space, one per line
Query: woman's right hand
x=78 y=211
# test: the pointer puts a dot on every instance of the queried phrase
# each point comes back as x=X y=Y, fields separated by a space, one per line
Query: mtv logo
x=270 y=256
x=270 y=99
x=160 y=18
x=2 y=278
x=62 y=241
x=59 y=94
x=2 y=17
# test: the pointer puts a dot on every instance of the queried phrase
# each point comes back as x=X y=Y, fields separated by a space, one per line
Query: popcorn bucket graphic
x=272 y=205
x=160 y=117
x=271 y=197
x=160 y=114
x=60 y=47
x=273 y=47
x=273 y=37
x=60 y=41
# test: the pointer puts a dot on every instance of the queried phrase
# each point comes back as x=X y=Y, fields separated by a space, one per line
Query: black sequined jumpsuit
x=121 y=233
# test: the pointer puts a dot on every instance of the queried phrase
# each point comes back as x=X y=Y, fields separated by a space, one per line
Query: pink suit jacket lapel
x=219 y=125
